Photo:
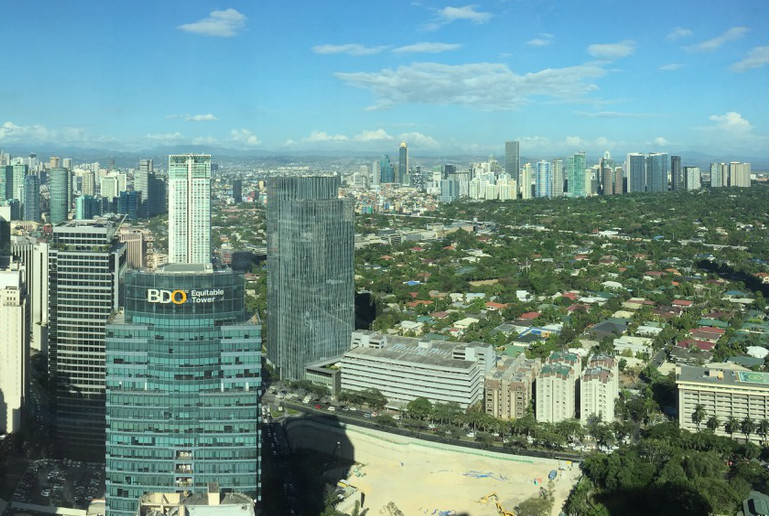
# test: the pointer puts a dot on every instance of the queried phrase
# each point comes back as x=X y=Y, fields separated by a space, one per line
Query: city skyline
x=459 y=78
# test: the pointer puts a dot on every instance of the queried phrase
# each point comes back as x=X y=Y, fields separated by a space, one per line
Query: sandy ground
x=422 y=477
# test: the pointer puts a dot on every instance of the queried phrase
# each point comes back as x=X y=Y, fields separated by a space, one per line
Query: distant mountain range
x=126 y=159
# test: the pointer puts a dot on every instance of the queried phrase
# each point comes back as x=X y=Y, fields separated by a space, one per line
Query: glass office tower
x=183 y=379
x=189 y=208
x=86 y=267
x=310 y=287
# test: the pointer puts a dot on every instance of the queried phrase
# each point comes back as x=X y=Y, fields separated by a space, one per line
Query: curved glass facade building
x=310 y=287
x=183 y=380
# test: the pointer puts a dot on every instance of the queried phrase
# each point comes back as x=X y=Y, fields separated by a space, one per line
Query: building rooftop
x=691 y=374
x=428 y=352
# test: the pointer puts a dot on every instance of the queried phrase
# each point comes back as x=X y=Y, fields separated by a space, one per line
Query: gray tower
x=310 y=287
x=513 y=161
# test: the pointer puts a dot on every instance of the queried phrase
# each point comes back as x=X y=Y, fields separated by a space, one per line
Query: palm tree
x=763 y=429
x=713 y=423
x=748 y=426
x=731 y=425
x=699 y=415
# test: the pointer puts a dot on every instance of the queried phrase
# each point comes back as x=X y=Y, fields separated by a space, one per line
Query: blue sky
x=448 y=78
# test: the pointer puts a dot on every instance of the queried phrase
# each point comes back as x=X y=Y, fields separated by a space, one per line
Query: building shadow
x=323 y=461
x=305 y=461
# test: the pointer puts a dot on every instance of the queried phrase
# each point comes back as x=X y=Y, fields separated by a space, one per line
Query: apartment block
x=509 y=387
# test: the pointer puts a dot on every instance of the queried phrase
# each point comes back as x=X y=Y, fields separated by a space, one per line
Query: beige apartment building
x=508 y=388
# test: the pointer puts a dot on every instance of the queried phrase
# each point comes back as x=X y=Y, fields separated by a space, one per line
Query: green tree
x=748 y=426
x=698 y=415
x=713 y=423
x=419 y=408
x=731 y=425
x=763 y=429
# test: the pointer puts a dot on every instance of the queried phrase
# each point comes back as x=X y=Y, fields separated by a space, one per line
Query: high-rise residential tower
x=575 y=174
x=310 y=287
x=86 y=268
x=657 y=172
x=59 y=187
x=31 y=206
x=183 y=378
x=387 y=174
x=189 y=208
x=403 y=164
x=237 y=190
x=513 y=160
x=558 y=177
x=544 y=185
x=636 y=172
x=14 y=344
x=677 y=178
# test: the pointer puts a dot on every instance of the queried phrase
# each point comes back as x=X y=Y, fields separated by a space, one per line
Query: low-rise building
x=598 y=389
x=632 y=344
x=556 y=387
x=724 y=394
x=211 y=503
x=406 y=368
x=509 y=386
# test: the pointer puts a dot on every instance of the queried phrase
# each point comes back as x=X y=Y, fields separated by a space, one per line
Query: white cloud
x=660 y=141
x=575 y=141
x=426 y=47
x=714 y=44
x=465 y=13
x=612 y=50
x=244 y=137
x=323 y=136
x=289 y=143
x=670 y=67
x=731 y=121
x=419 y=140
x=612 y=114
x=194 y=118
x=543 y=40
x=372 y=136
x=351 y=49
x=679 y=33
x=756 y=58
x=223 y=24
x=486 y=86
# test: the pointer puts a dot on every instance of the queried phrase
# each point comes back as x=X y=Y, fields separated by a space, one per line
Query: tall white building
x=14 y=346
x=189 y=208
x=599 y=388
x=557 y=387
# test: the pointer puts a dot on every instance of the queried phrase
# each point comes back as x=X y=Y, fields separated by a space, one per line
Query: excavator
x=500 y=509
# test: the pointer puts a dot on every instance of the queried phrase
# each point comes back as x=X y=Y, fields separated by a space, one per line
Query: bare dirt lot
x=423 y=477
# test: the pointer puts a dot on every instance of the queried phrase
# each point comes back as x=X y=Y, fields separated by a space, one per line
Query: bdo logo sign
x=177 y=297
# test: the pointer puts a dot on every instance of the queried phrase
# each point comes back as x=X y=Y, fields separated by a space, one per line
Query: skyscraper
x=636 y=172
x=513 y=160
x=558 y=177
x=544 y=186
x=403 y=164
x=31 y=198
x=86 y=268
x=606 y=168
x=59 y=186
x=657 y=172
x=14 y=345
x=387 y=174
x=237 y=190
x=183 y=378
x=189 y=208
x=310 y=287
x=677 y=180
x=575 y=174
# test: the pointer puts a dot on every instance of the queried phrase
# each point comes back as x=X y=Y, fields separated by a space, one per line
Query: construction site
x=427 y=478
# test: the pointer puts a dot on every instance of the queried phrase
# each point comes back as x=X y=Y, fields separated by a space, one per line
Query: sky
x=362 y=76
